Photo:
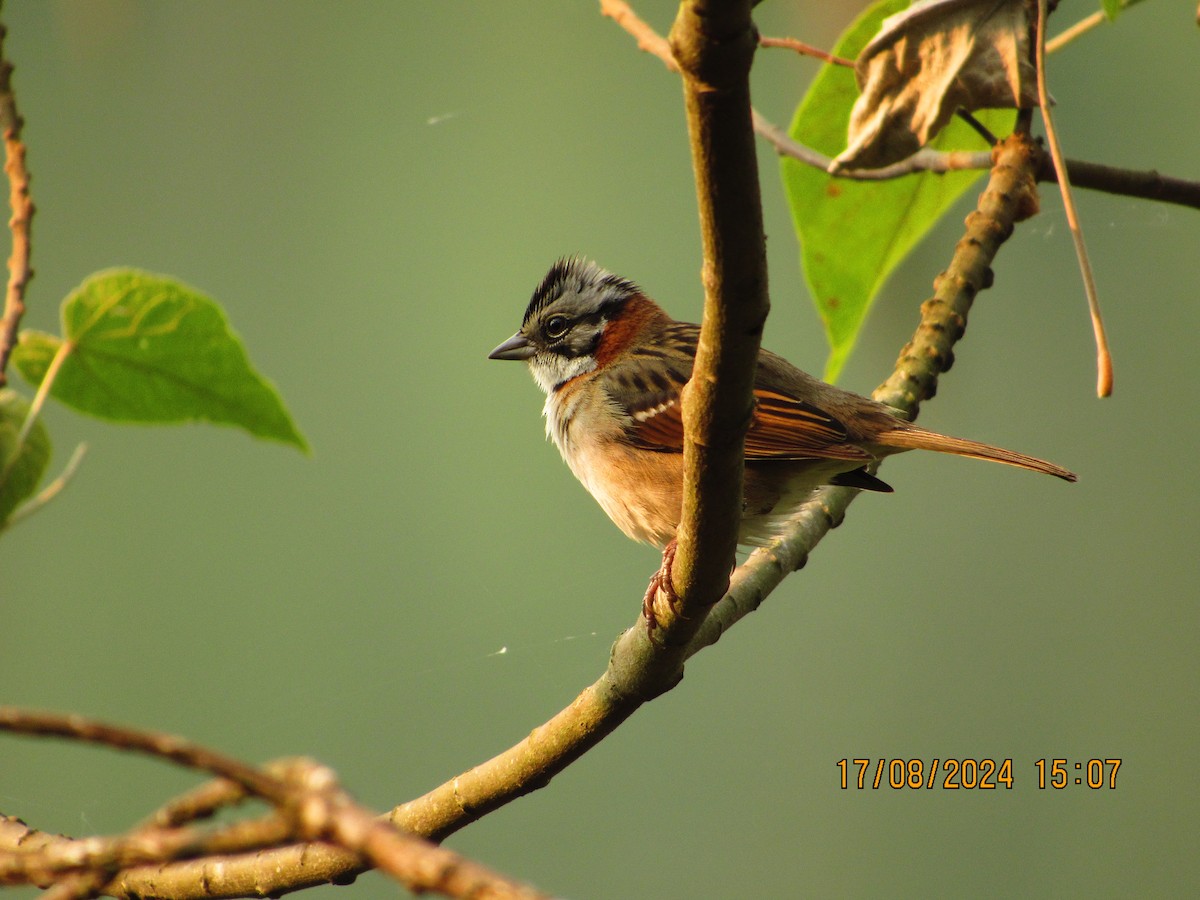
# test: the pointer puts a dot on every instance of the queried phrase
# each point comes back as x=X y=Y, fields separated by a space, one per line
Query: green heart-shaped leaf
x=145 y=348
x=854 y=233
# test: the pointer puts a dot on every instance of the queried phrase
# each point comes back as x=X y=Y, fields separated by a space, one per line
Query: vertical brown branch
x=19 y=271
x=713 y=41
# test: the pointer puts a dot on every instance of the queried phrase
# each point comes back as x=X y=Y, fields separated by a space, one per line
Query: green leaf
x=20 y=472
x=854 y=233
x=145 y=348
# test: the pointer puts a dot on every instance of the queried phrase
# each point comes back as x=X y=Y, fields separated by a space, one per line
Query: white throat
x=550 y=370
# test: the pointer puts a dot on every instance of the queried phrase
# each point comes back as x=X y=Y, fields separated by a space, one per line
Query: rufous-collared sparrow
x=613 y=363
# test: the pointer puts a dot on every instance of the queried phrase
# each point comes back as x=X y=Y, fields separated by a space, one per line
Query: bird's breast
x=641 y=491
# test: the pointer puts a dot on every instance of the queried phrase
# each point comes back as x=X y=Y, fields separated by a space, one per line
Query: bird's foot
x=660 y=581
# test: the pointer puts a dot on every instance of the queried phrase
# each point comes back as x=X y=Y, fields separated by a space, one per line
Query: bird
x=613 y=365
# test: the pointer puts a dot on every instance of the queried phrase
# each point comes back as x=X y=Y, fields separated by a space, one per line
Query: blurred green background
x=372 y=190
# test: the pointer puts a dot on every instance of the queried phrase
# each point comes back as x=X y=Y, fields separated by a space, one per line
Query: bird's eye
x=557 y=326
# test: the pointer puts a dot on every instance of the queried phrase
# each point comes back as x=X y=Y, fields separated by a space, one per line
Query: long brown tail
x=914 y=438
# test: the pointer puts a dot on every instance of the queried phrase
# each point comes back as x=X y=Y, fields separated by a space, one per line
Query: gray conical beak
x=516 y=347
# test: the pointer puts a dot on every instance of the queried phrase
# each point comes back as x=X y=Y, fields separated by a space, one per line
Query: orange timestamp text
x=972 y=774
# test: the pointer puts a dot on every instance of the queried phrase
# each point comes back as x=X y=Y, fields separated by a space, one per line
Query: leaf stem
x=1104 y=365
x=50 y=491
x=1083 y=26
x=35 y=407
x=39 y=399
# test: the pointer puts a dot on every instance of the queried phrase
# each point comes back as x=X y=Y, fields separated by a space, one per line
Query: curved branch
x=922 y=161
x=1147 y=185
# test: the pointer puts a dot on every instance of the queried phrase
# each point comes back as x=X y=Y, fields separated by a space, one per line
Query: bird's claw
x=660 y=581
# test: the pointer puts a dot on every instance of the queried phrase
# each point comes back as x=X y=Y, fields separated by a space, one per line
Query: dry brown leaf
x=935 y=57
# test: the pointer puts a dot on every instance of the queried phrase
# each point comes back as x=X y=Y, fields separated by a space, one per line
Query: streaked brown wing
x=658 y=428
x=781 y=428
x=786 y=428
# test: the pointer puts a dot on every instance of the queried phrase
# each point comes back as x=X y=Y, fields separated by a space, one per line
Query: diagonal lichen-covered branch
x=1010 y=196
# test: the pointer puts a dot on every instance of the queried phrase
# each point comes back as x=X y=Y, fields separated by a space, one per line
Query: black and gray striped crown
x=578 y=275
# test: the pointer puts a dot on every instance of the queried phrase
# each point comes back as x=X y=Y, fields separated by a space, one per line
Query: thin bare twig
x=96 y=859
x=647 y=38
x=207 y=799
x=922 y=161
x=19 y=271
x=1145 y=185
x=805 y=50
